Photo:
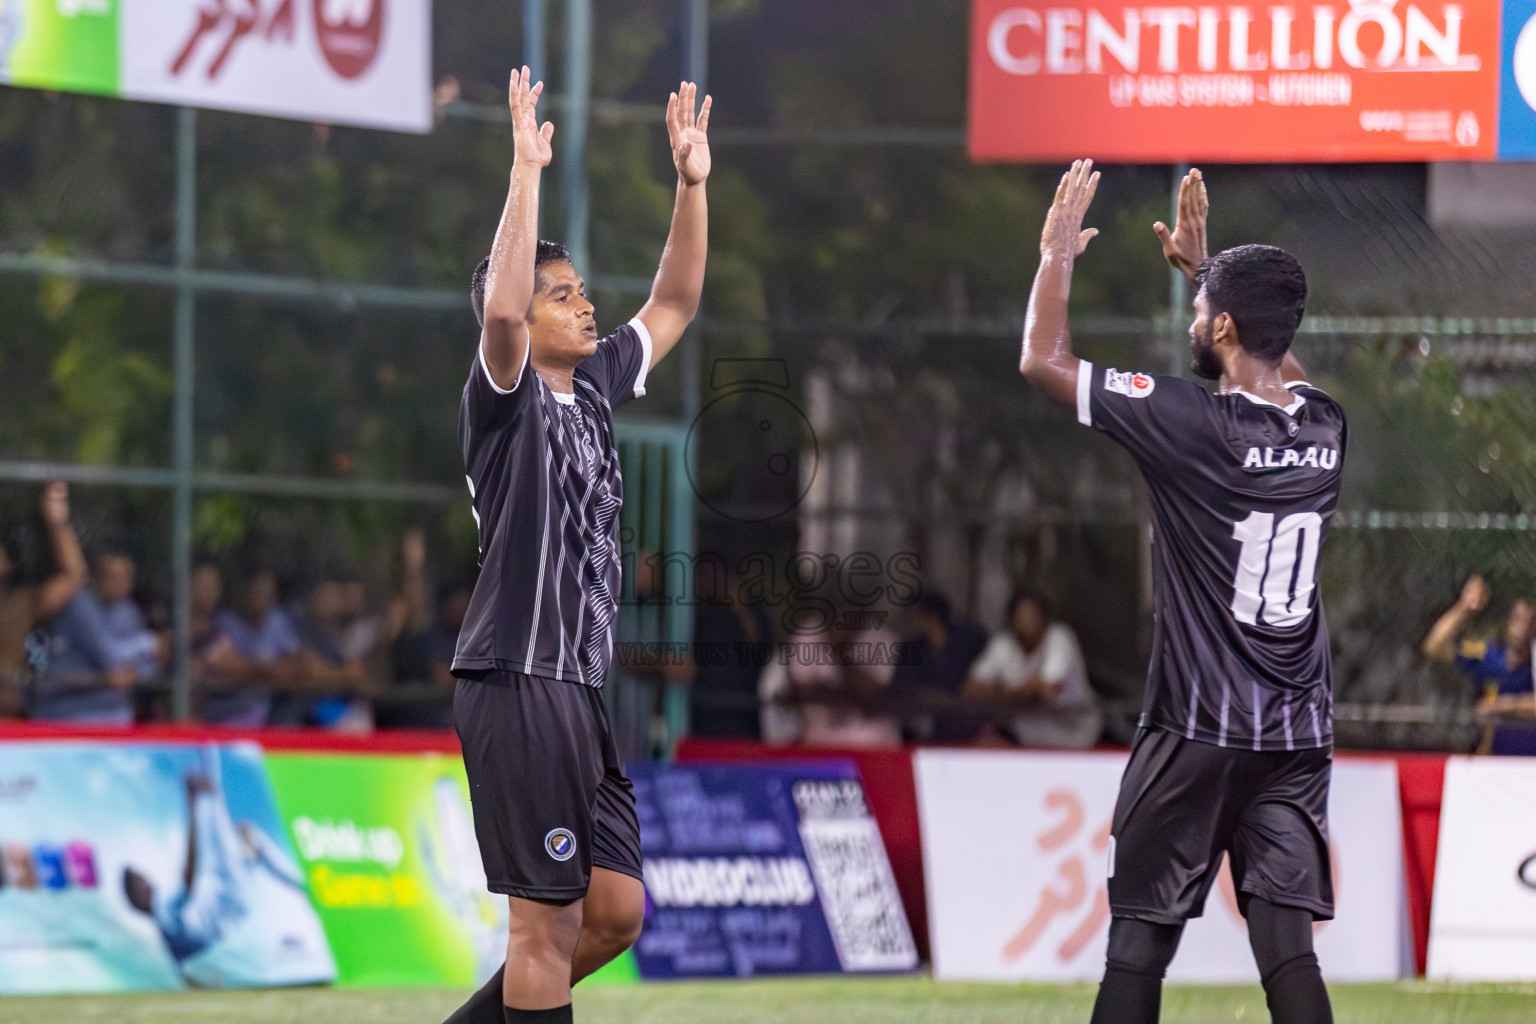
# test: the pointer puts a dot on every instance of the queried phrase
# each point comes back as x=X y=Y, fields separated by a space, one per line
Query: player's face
x=563 y=325
x=1202 y=340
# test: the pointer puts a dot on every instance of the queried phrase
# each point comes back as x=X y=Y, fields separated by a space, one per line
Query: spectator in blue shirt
x=267 y=643
x=1500 y=667
x=98 y=647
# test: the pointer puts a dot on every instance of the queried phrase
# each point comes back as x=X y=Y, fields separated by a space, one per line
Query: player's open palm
x=532 y=141
x=1064 y=234
x=1184 y=247
x=689 y=133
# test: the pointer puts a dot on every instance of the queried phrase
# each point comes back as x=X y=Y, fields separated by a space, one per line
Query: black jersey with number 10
x=1242 y=494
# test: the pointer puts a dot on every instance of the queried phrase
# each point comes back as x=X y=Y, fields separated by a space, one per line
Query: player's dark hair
x=1028 y=595
x=548 y=252
x=1263 y=290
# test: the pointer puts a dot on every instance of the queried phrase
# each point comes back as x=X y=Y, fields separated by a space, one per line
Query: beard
x=1203 y=359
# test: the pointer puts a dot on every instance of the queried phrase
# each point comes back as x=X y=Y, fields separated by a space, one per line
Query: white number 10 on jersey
x=1277 y=568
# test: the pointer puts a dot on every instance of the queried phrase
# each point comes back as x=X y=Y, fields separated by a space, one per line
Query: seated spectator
x=942 y=653
x=1500 y=667
x=427 y=658
x=330 y=688
x=267 y=643
x=25 y=606
x=98 y=647
x=1039 y=666
x=727 y=638
x=840 y=680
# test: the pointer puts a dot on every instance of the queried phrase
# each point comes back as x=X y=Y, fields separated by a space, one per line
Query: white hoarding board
x=359 y=62
x=1482 y=926
x=1016 y=848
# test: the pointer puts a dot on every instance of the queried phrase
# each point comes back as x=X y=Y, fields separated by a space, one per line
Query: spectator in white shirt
x=1039 y=666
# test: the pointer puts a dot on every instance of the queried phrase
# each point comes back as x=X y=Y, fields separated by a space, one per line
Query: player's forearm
x=509 y=282
x=679 y=281
x=1047 y=360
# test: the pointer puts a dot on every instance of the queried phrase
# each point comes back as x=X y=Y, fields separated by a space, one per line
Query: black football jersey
x=1242 y=494
x=545 y=488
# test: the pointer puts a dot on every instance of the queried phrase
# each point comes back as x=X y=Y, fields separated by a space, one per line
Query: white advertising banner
x=360 y=62
x=1482 y=925
x=1016 y=854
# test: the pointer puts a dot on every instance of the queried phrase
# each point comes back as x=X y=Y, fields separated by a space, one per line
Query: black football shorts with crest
x=548 y=789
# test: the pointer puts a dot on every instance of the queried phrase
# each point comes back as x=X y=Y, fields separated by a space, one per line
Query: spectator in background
x=267 y=643
x=427 y=658
x=23 y=606
x=728 y=636
x=99 y=646
x=215 y=658
x=941 y=661
x=841 y=696
x=1500 y=667
x=1039 y=666
x=330 y=689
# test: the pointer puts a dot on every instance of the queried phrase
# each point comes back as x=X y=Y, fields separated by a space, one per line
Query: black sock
x=1126 y=997
x=484 y=1007
x=559 y=1015
x=1296 y=993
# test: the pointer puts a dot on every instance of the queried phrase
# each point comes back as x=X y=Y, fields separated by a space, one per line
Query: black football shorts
x=548 y=790
x=1184 y=803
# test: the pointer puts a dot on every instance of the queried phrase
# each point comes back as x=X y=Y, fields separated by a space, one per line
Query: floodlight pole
x=573 y=127
x=183 y=344
x=1178 y=291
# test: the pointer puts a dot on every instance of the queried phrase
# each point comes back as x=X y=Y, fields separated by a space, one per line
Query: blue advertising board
x=127 y=867
x=764 y=870
x=1517 y=82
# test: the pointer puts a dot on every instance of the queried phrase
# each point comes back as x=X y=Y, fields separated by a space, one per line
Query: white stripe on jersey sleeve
x=527 y=354
x=1084 y=386
x=645 y=363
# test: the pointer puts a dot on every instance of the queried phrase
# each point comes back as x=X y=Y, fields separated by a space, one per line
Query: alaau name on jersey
x=1242 y=493
x=544 y=478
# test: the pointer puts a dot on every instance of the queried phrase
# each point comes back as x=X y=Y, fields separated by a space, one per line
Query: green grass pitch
x=831 y=1001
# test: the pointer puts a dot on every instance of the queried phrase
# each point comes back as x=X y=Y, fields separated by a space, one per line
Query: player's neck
x=558 y=378
x=1261 y=379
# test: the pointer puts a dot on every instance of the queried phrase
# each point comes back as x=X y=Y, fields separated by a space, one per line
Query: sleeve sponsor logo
x=1131 y=385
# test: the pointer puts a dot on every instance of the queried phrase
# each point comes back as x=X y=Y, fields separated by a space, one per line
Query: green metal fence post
x=573 y=128
x=182 y=428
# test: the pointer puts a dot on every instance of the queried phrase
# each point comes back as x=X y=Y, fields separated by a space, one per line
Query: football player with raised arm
x=1234 y=751
x=554 y=813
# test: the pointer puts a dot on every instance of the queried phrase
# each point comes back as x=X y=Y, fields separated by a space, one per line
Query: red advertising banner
x=1358 y=80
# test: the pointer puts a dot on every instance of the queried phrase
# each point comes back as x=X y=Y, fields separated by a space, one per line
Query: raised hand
x=1474 y=595
x=689 y=133
x=1184 y=246
x=530 y=140
x=1064 y=235
x=54 y=503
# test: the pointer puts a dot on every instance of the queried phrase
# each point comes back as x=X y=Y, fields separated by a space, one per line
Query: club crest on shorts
x=560 y=844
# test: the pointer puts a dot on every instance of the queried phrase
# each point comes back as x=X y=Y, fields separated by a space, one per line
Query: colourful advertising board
x=387 y=845
x=127 y=867
x=764 y=870
x=362 y=62
x=1350 y=80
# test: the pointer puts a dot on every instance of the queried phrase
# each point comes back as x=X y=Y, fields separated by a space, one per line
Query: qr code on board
x=858 y=894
